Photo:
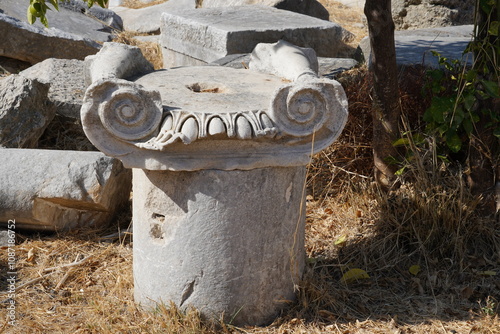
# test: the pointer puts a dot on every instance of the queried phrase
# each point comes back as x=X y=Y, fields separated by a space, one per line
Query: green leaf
x=31 y=18
x=391 y=160
x=419 y=138
x=401 y=142
x=467 y=125
x=443 y=158
x=435 y=53
x=496 y=132
x=494 y=28
x=354 y=275
x=458 y=117
x=469 y=100
x=400 y=171
x=414 y=270
x=470 y=75
x=453 y=141
x=38 y=7
x=340 y=240
x=44 y=21
x=491 y=88
x=102 y=3
x=435 y=75
x=55 y=4
x=427 y=117
x=440 y=106
x=474 y=117
x=443 y=128
x=486 y=7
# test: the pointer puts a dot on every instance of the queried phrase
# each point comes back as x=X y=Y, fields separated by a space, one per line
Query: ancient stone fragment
x=61 y=190
x=219 y=158
x=200 y=36
x=25 y=111
x=66 y=80
x=20 y=40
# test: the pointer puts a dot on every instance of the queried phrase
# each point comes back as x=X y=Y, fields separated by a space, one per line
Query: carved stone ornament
x=210 y=117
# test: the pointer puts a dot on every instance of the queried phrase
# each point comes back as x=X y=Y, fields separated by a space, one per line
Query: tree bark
x=386 y=110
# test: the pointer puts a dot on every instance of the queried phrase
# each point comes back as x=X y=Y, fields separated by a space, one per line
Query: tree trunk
x=386 y=107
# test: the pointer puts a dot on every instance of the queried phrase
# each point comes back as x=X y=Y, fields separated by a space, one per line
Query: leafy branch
x=38 y=9
x=458 y=89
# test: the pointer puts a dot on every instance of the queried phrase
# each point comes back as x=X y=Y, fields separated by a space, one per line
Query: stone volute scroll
x=259 y=117
x=219 y=161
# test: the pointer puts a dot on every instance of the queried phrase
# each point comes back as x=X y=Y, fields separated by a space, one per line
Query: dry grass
x=136 y=4
x=64 y=133
x=351 y=19
x=150 y=50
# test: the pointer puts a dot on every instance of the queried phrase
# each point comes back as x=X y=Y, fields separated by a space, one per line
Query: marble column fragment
x=219 y=158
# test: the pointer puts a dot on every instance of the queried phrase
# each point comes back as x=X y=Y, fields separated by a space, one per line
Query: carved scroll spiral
x=299 y=110
x=116 y=114
x=302 y=109
x=128 y=111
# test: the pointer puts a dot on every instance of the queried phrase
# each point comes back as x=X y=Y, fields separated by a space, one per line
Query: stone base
x=228 y=243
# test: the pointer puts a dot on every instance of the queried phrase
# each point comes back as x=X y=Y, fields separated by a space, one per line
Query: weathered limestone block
x=332 y=67
x=20 y=40
x=67 y=86
x=411 y=14
x=73 y=17
x=215 y=233
x=116 y=60
x=147 y=19
x=200 y=36
x=24 y=111
x=61 y=190
x=219 y=158
x=108 y=19
x=307 y=7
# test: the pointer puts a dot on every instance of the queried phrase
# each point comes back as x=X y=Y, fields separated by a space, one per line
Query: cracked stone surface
x=61 y=190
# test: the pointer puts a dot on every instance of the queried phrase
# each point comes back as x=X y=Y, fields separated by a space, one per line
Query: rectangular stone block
x=20 y=40
x=207 y=34
x=61 y=190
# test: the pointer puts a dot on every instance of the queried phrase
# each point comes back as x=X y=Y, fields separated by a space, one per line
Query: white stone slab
x=20 y=40
x=147 y=19
x=60 y=190
x=67 y=86
x=25 y=112
x=73 y=17
x=208 y=34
